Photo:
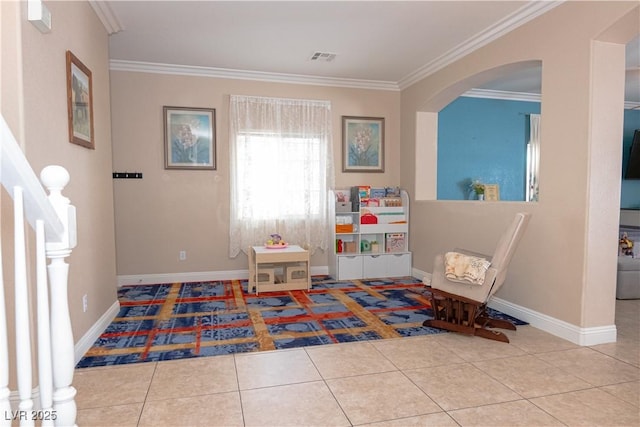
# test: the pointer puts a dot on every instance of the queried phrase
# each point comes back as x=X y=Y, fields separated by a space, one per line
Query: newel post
x=55 y=178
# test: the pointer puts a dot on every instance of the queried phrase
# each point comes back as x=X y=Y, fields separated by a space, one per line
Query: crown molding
x=109 y=19
x=523 y=15
x=528 y=12
x=502 y=94
x=225 y=73
x=523 y=96
x=150 y=67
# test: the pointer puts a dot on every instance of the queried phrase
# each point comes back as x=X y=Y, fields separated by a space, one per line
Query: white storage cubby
x=349 y=267
x=365 y=250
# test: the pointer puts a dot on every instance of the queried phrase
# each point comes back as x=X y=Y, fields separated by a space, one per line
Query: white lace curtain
x=533 y=158
x=281 y=170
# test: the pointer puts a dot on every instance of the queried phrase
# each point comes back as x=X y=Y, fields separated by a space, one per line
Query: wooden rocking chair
x=461 y=307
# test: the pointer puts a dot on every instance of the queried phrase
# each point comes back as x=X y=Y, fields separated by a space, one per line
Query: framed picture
x=189 y=138
x=491 y=192
x=79 y=102
x=362 y=144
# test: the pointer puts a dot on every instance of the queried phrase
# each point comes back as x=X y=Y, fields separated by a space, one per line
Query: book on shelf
x=395 y=242
x=377 y=193
x=392 y=191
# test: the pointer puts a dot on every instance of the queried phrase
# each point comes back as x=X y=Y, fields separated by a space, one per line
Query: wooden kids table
x=291 y=258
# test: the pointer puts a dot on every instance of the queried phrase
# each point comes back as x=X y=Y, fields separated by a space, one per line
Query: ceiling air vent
x=323 y=56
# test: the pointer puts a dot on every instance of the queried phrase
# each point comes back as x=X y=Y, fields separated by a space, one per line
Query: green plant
x=477 y=187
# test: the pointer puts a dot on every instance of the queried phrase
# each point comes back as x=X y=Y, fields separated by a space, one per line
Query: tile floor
x=436 y=380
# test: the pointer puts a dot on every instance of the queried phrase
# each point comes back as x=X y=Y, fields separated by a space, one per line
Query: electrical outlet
x=183 y=255
x=85 y=303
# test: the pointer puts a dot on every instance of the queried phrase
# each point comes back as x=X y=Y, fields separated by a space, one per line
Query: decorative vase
x=480 y=196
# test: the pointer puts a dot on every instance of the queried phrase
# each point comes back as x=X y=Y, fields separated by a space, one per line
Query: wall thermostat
x=39 y=15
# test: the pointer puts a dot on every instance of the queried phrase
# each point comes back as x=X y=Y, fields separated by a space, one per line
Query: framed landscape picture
x=189 y=138
x=362 y=144
x=79 y=102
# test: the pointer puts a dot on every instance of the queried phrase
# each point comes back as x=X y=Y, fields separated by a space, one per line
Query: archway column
x=426 y=156
x=606 y=117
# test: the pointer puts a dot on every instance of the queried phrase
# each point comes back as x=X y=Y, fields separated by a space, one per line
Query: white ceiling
x=383 y=44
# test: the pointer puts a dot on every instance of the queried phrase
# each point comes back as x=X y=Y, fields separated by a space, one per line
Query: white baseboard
x=202 y=276
x=87 y=340
x=559 y=328
x=422 y=275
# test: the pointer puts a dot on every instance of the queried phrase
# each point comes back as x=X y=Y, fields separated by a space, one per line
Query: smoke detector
x=323 y=56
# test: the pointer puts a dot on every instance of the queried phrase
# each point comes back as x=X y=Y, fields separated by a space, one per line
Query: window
x=533 y=158
x=290 y=164
x=281 y=171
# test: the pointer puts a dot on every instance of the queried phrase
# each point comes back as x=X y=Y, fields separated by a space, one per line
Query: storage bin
x=344 y=228
x=343 y=206
x=349 y=267
x=266 y=276
x=368 y=219
x=296 y=273
x=350 y=247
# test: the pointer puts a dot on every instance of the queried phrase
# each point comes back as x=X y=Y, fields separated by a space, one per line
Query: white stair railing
x=54 y=221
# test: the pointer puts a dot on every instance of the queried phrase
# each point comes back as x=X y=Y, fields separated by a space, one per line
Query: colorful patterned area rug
x=182 y=320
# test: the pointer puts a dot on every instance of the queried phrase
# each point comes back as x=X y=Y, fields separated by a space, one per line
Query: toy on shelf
x=276 y=242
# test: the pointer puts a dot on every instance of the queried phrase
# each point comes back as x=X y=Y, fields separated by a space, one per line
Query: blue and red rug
x=182 y=320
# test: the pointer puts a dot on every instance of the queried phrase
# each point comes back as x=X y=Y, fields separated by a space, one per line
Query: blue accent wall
x=630 y=191
x=483 y=139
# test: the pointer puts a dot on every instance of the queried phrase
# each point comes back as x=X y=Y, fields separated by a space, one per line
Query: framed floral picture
x=362 y=144
x=79 y=102
x=189 y=138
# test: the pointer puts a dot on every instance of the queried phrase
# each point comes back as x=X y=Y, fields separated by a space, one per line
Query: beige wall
x=172 y=210
x=565 y=267
x=34 y=97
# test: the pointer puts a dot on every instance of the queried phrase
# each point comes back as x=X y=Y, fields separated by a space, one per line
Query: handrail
x=16 y=171
x=53 y=218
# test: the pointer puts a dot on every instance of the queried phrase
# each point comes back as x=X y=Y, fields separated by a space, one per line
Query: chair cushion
x=465 y=268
